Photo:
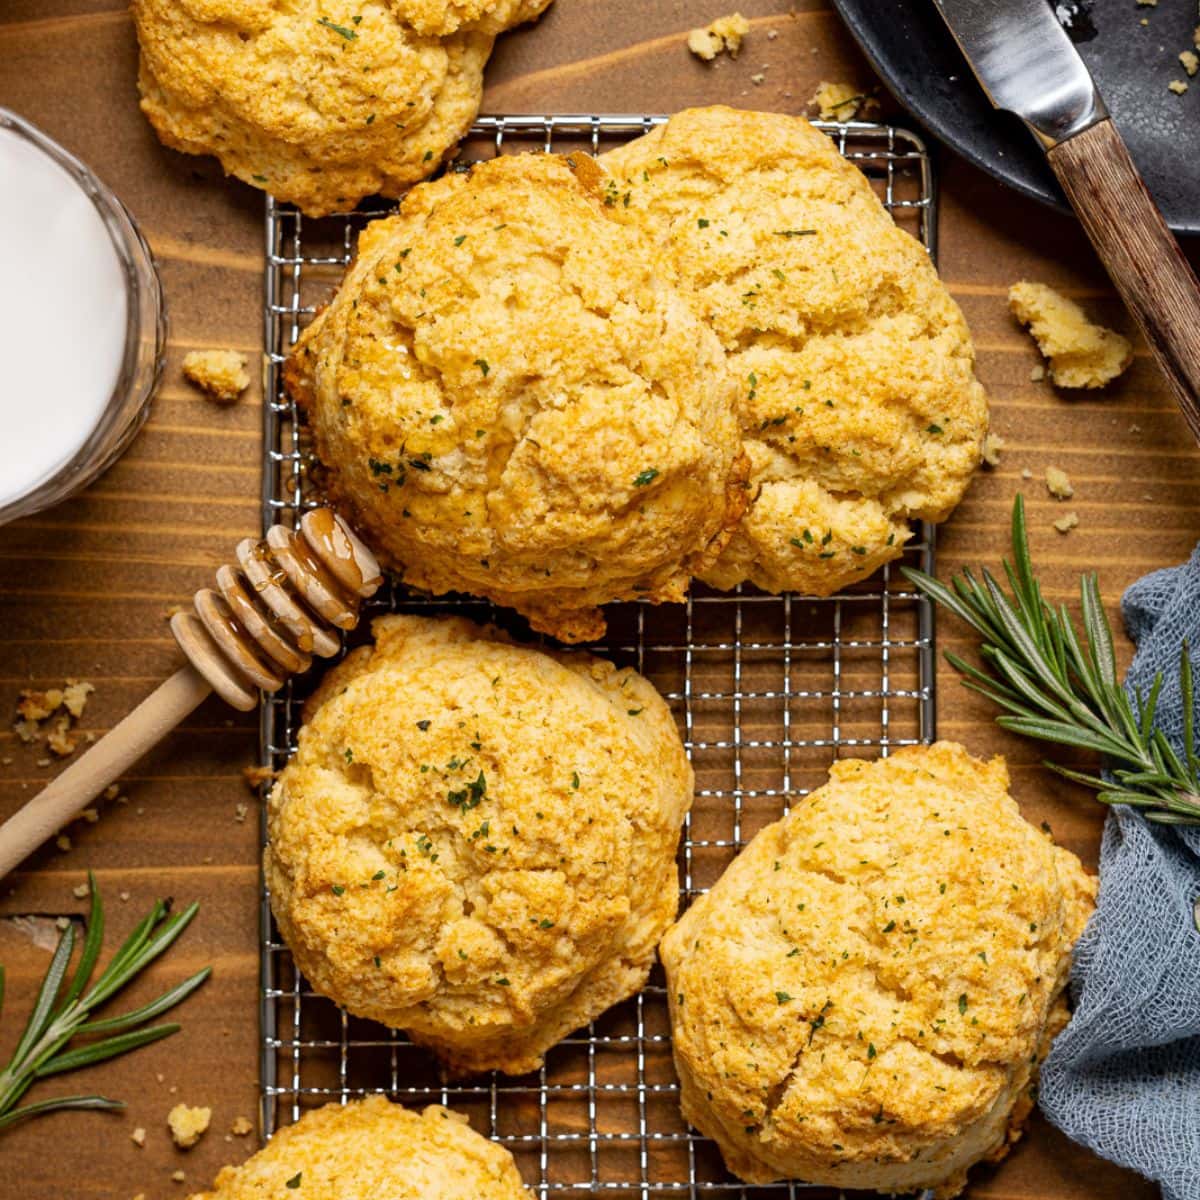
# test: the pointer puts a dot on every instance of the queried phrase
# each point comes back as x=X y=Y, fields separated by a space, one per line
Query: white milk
x=62 y=316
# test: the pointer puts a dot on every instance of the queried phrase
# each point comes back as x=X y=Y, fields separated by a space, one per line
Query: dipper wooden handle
x=288 y=598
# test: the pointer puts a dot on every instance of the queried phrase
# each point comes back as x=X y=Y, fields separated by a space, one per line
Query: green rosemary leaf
x=1187 y=695
x=2 y=981
x=148 y=1012
x=40 y=1017
x=1062 y=732
x=91 y=945
x=96 y=1052
x=1099 y=631
x=56 y=1104
x=153 y=944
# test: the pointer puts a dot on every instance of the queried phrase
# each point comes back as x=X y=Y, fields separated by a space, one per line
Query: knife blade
x=1027 y=64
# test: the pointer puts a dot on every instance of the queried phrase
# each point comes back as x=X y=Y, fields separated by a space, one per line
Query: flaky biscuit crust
x=369 y=1149
x=475 y=841
x=857 y=391
x=319 y=103
x=509 y=401
x=862 y=998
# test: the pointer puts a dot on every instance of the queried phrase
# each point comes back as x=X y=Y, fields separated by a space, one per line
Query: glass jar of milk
x=82 y=323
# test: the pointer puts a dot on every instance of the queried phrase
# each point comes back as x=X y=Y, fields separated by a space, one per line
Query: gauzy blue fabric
x=1124 y=1077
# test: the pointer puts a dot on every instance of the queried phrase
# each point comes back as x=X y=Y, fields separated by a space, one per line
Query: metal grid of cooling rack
x=767 y=691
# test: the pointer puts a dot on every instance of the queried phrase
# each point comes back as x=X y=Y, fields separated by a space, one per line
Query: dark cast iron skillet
x=911 y=48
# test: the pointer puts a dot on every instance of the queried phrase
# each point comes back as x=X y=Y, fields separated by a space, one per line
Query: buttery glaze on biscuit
x=857 y=392
x=475 y=841
x=509 y=401
x=370 y=1149
x=862 y=999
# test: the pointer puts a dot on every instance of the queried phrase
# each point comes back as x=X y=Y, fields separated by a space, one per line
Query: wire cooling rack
x=768 y=690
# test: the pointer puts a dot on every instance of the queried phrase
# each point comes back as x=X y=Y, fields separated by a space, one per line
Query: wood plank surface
x=84 y=587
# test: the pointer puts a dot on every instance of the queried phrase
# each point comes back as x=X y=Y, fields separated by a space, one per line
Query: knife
x=1027 y=65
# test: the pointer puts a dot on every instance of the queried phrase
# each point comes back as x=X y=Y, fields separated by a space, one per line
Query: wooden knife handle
x=1141 y=255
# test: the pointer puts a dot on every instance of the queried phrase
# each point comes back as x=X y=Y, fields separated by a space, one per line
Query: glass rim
x=143 y=303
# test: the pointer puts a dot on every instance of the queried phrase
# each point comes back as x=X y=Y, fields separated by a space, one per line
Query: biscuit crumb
x=178 y=1176
x=772 y=34
x=723 y=34
x=256 y=776
x=840 y=101
x=37 y=706
x=1066 y=522
x=91 y=815
x=220 y=373
x=110 y=792
x=1081 y=354
x=1058 y=483
x=239 y=813
x=42 y=762
x=60 y=739
x=138 y=1136
x=1190 y=61
x=1147 y=3
x=124 y=897
x=80 y=891
x=188 y=1124
x=757 y=79
x=63 y=842
x=241 y=1127
x=1178 y=86
x=1037 y=374
x=75 y=696
x=993 y=443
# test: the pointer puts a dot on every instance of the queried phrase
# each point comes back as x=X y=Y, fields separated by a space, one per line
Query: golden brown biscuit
x=509 y=401
x=369 y=1149
x=320 y=103
x=448 y=16
x=862 y=999
x=859 y=402
x=475 y=841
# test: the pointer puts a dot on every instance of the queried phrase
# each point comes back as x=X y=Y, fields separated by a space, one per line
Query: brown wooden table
x=84 y=588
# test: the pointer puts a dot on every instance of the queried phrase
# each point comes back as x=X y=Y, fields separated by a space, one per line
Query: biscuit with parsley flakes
x=320 y=102
x=371 y=1149
x=863 y=998
x=449 y=16
x=508 y=400
x=475 y=841
x=857 y=389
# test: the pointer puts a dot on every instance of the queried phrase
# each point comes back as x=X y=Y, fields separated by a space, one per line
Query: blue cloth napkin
x=1124 y=1077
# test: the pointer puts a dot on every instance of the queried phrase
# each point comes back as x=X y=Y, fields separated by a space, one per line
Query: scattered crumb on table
x=1058 y=483
x=840 y=101
x=220 y=373
x=993 y=443
x=256 y=776
x=187 y=1124
x=241 y=1126
x=63 y=842
x=724 y=34
x=1178 y=86
x=178 y=1176
x=1066 y=522
x=80 y=891
x=138 y=1136
x=1190 y=61
x=1081 y=353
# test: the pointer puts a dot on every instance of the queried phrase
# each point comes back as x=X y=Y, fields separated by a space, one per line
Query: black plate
x=912 y=50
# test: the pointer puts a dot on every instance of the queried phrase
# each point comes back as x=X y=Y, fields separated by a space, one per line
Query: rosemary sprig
x=60 y=1015
x=1058 y=687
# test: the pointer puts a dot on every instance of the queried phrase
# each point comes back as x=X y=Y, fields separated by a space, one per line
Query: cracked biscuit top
x=855 y=369
x=862 y=998
x=320 y=102
x=371 y=1148
x=475 y=841
x=509 y=401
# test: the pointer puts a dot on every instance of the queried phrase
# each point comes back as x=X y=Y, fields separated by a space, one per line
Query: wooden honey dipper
x=287 y=599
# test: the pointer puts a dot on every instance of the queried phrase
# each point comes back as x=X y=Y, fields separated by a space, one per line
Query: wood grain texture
x=1154 y=279
x=83 y=588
